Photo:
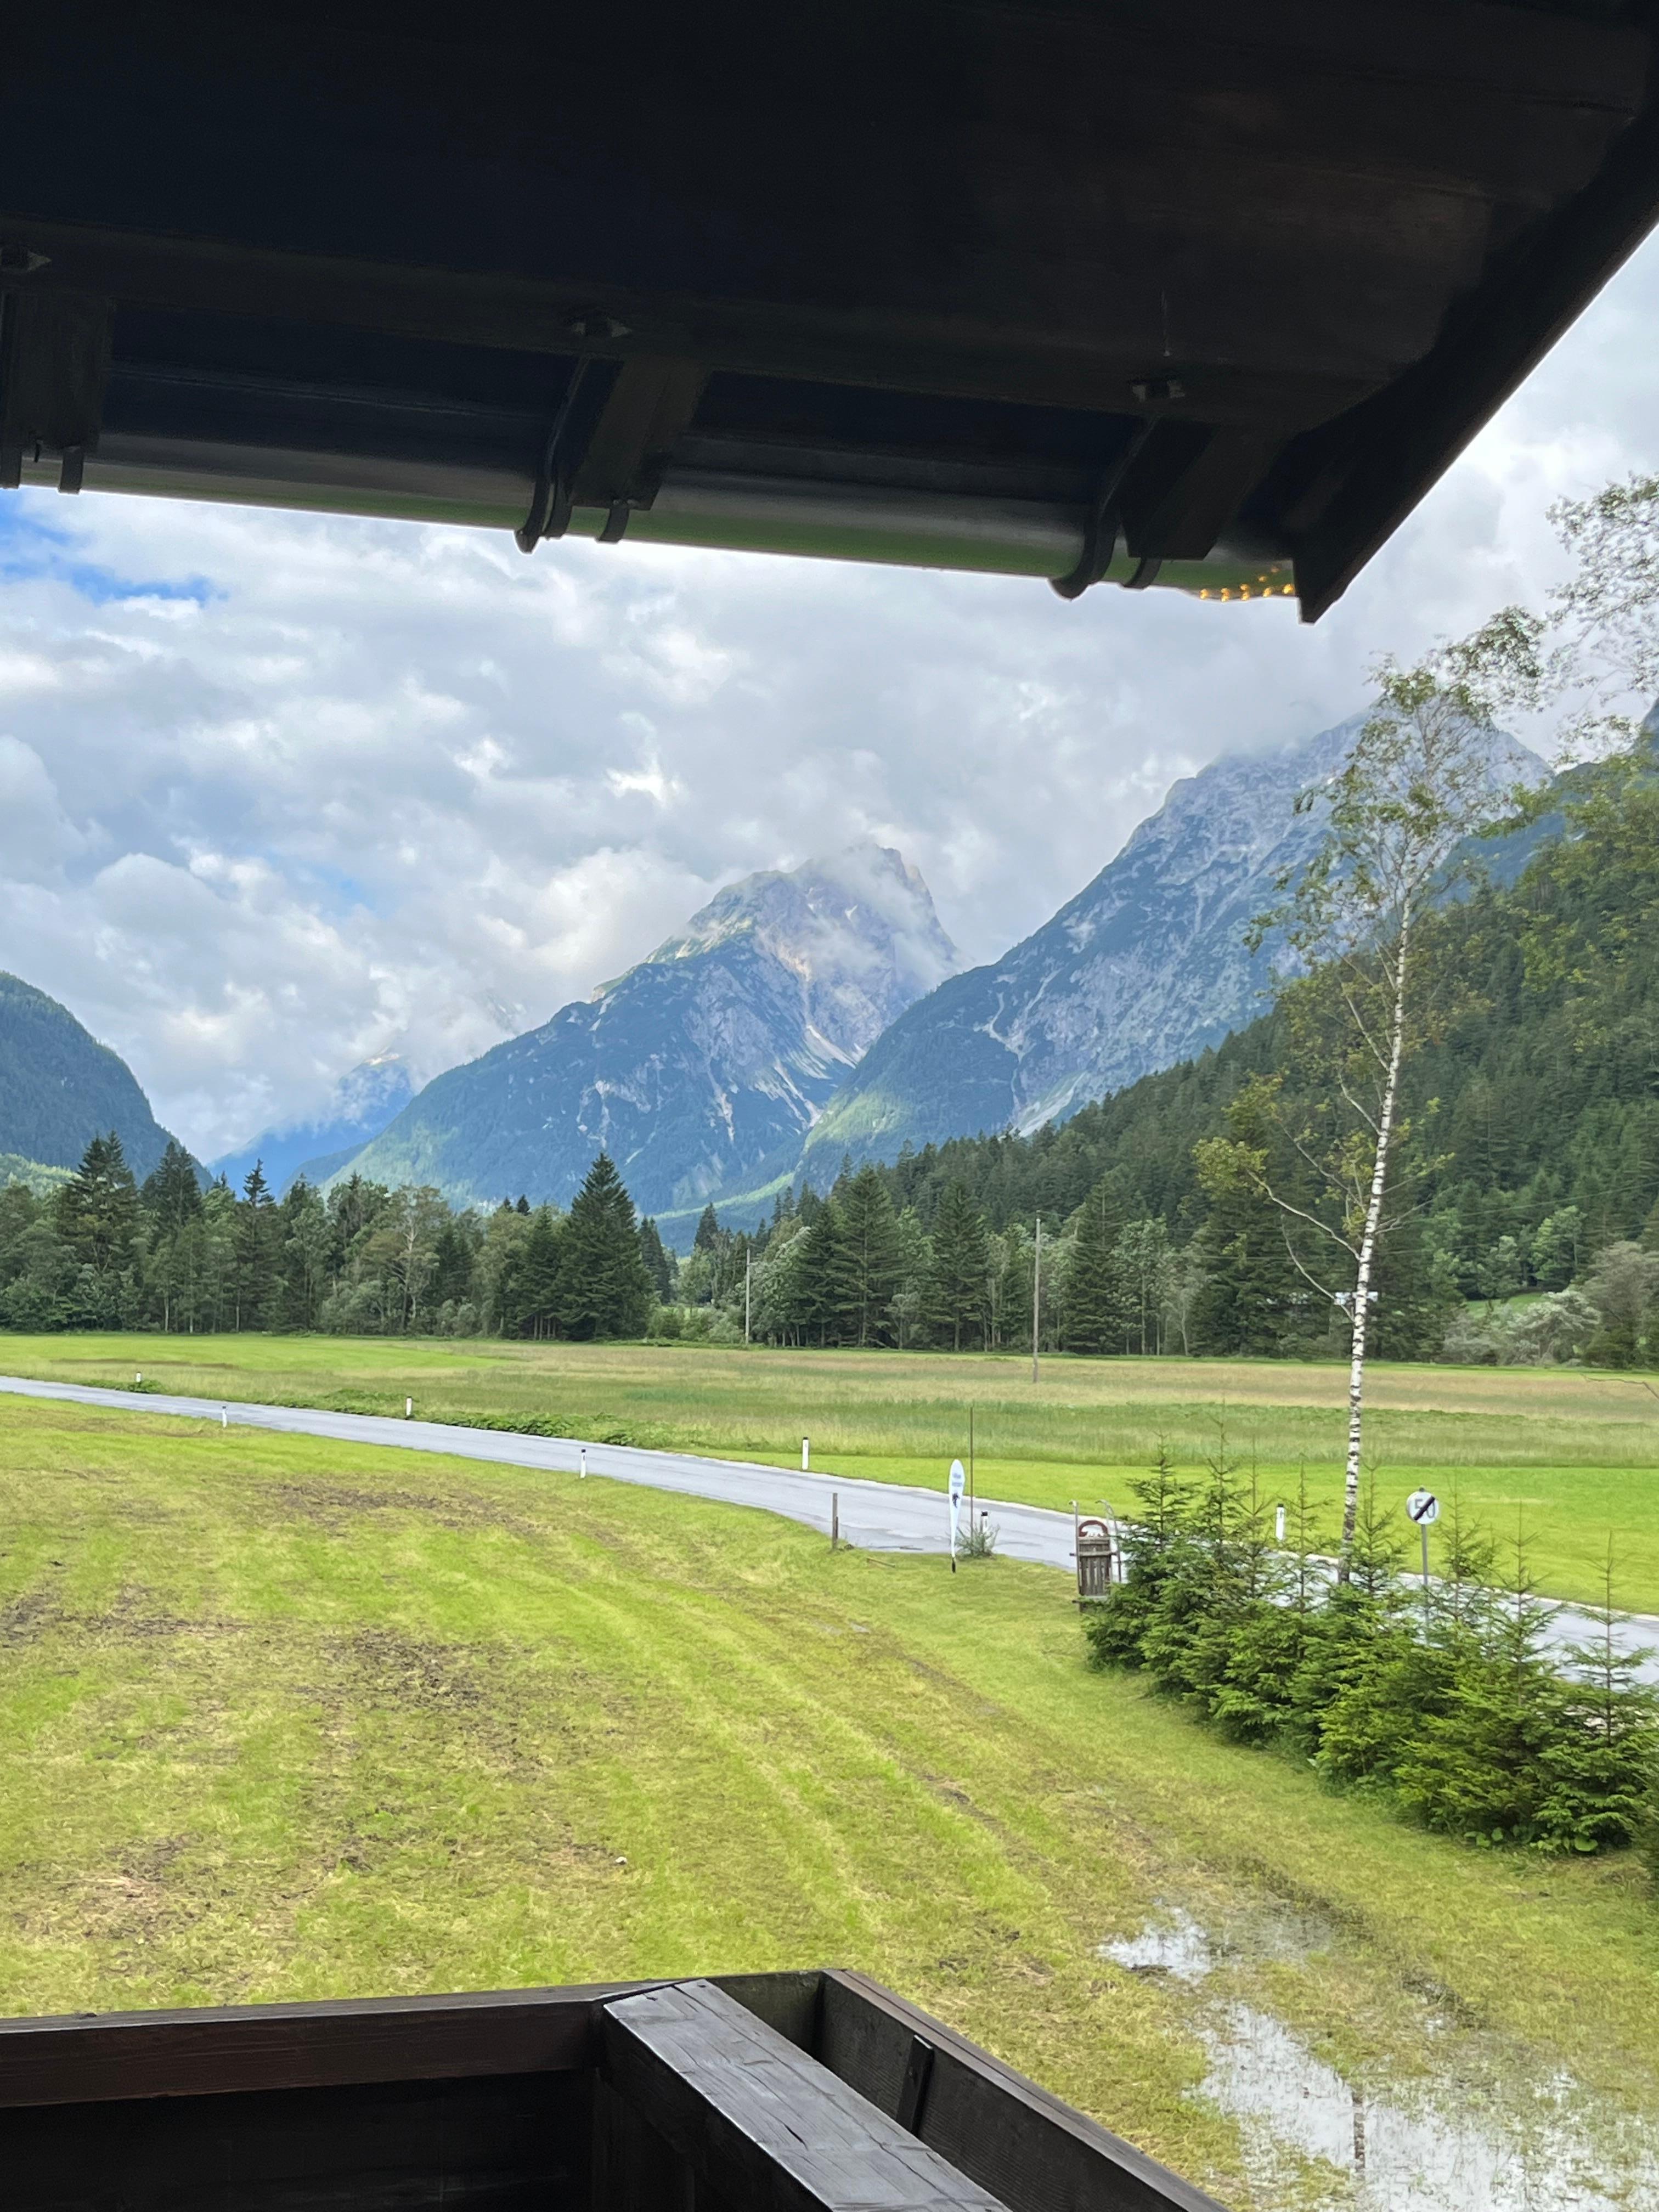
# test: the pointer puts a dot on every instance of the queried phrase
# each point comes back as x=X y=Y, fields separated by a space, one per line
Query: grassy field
x=283 y=1718
x=1576 y=1453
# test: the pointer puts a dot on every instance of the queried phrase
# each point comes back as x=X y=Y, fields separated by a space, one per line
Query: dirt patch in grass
x=335 y=1506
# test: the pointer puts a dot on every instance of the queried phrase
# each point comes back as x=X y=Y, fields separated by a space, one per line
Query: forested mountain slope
x=59 y=1087
x=1533 y=1113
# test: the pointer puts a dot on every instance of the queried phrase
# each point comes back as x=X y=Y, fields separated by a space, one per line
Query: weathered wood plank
x=182 y=2054
x=491 y=2145
x=764 y=2124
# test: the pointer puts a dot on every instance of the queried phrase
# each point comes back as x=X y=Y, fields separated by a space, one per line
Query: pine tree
x=453 y=1261
x=656 y=1261
x=98 y=1207
x=709 y=1231
x=603 y=1289
x=864 y=1270
x=540 y=1280
x=257 y=1232
x=1093 y=1307
x=954 y=1294
x=819 y=1244
x=171 y=1194
x=1252 y=1294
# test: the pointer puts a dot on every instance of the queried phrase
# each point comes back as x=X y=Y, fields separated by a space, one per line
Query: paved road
x=877 y=1516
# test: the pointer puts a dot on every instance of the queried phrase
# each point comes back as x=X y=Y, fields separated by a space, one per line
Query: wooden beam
x=1012 y=2137
x=84 y=2059
x=1405 y=441
x=924 y=355
x=764 y=2127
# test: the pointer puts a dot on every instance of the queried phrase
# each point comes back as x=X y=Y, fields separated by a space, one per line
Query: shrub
x=1461 y=1717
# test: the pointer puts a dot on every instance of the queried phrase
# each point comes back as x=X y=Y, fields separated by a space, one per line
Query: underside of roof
x=1206 y=296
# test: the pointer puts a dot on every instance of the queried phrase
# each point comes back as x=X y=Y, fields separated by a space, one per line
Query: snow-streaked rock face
x=716 y=1052
x=1144 y=968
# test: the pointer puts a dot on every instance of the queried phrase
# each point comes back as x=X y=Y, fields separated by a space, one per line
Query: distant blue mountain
x=362 y=1103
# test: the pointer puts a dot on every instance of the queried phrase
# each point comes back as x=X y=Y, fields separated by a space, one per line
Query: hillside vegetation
x=1534 y=1115
x=59 y=1088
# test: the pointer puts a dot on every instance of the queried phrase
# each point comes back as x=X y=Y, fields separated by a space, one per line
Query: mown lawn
x=1573 y=1455
x=281 y=1718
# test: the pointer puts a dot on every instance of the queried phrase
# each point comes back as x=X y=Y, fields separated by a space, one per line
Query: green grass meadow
x=1571 y=1457
x=282 y=1718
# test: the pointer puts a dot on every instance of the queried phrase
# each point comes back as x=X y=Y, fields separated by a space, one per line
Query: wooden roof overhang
x=759 y=2093
x=1203 y=295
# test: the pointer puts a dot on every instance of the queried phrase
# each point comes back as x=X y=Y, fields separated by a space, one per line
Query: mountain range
x=714 y=1055
x=1144 y=968
x=801 y=1018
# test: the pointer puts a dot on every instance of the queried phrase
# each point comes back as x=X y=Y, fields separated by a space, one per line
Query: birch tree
x=1419 y=784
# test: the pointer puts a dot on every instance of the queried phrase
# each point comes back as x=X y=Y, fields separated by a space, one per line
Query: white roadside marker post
x=1279 y=1525
x=958 y=1483
x=1423 y=1507
x=806 y=1454
x=582 y=1470
x=409 y=1409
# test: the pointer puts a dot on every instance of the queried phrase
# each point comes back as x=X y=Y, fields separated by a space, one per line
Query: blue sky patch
x=31 y=546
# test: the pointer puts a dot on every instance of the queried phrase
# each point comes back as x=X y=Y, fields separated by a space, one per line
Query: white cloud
x=312 y=787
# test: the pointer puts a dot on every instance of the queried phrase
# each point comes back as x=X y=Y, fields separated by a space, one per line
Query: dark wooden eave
x=899 y=279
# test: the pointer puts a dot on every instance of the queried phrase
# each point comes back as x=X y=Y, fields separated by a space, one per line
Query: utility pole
x=748 y=1269
x=1037 y=1297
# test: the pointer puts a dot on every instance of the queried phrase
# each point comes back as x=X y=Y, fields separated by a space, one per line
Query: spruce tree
x=453 y=1262
x=541 y=1276
x=97 y=1210
x=656 y=1261
x=171 y=1194
x=954 y=1294
x=603 y=1289
x=1093 y=1307
x=1251 y=1293
x=257 y=1232
x=820 y=1246
x=864 y=1269
x=708 y=1230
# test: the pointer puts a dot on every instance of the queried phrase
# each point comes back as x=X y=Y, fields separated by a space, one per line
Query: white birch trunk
x=1362 y=1284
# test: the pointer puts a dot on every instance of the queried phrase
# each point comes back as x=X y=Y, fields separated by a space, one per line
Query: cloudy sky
x=279 y=792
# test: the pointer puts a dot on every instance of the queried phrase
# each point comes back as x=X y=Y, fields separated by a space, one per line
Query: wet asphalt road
x=877 y=1516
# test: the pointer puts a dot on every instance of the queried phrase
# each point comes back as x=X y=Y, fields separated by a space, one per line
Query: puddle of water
x=1416 y=2153
x=1180 y=1949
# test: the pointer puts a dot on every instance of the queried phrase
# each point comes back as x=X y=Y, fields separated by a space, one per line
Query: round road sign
x=1423 y=1507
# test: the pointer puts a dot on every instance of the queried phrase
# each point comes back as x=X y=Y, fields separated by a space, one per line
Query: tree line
x=104 y=1252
